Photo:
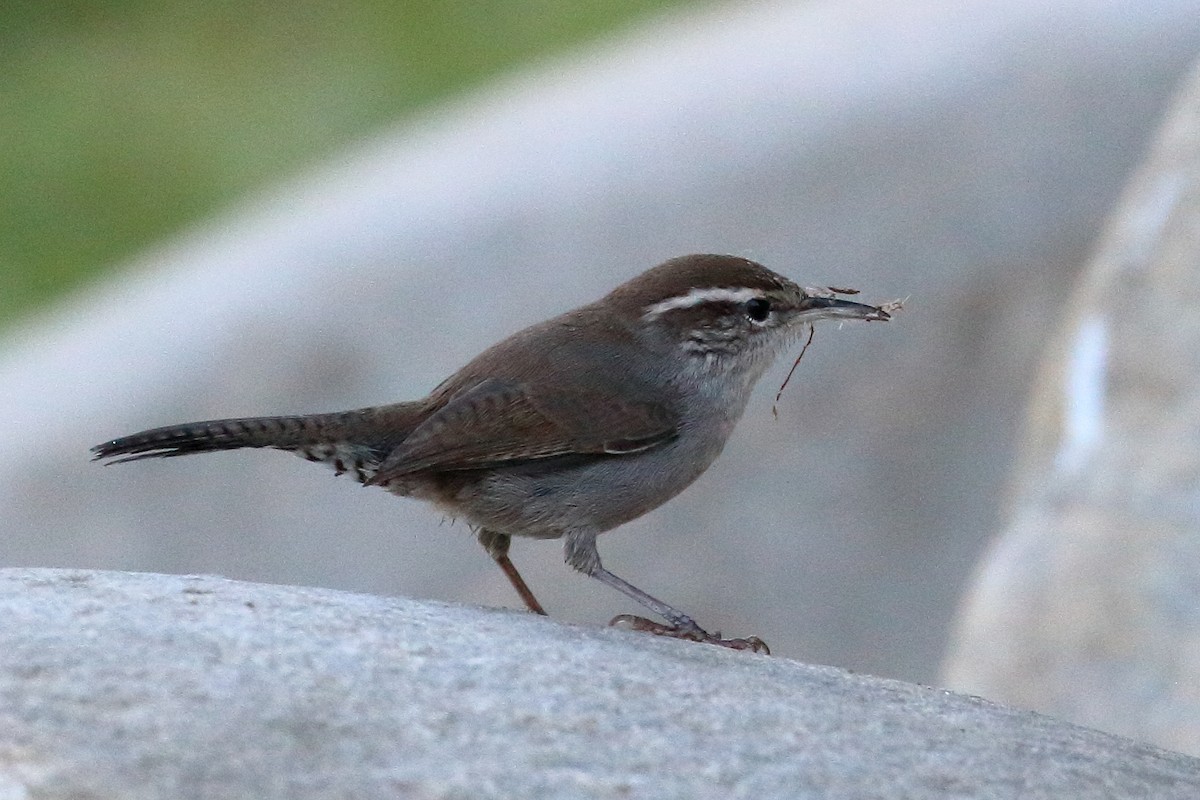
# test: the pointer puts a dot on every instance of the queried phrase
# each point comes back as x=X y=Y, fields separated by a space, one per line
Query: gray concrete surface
x=120 y=685
x=1088 y=606
x=963 y=153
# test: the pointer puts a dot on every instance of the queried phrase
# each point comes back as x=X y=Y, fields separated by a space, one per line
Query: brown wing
x=496 y=421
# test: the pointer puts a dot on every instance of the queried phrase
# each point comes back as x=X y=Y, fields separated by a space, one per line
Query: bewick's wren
x=568 y=428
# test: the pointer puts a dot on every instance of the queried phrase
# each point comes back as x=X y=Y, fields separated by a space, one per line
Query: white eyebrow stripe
x=697 y=296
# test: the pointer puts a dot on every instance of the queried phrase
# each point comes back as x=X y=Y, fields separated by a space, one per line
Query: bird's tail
x=353 y=441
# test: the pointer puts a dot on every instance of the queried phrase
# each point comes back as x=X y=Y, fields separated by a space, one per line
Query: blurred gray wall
x=960 y=153
x=1088 y=606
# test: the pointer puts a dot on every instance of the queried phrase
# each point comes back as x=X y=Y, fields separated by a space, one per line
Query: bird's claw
x=694 y=633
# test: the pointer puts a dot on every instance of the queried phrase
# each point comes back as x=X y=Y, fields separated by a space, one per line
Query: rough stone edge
x=866 y=730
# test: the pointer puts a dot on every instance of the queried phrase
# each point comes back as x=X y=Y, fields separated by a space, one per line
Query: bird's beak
x=812 y=308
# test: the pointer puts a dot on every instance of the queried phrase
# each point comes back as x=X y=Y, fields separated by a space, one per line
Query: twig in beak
x=812 y=329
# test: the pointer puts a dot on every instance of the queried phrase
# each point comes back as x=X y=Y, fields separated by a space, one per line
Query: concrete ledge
x=146 y=686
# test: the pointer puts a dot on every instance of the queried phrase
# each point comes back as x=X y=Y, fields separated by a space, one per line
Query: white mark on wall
x=1085 y=387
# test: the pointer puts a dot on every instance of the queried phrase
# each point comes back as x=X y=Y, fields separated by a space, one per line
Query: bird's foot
x=693 y=633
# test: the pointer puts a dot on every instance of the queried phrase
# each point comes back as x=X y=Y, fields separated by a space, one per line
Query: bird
x=569 y=428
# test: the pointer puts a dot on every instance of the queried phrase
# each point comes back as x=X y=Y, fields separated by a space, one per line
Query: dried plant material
x=812 y=329
x=827 y=291
x=881 y=313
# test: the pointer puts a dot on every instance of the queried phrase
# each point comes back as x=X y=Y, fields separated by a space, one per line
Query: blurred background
x=125 y=121
x=217 y=210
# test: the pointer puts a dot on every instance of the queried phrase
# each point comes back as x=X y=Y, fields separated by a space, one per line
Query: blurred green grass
x=121 y=120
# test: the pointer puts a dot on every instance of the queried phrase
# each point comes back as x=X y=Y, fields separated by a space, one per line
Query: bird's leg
x=582 y=555
x=496 y=545
x=633 y=622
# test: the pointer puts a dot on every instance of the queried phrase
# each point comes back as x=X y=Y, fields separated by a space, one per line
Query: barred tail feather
x=349 y=441
x=209 y=436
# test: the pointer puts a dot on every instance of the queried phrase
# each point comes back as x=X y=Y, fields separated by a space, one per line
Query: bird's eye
x=758 y=309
